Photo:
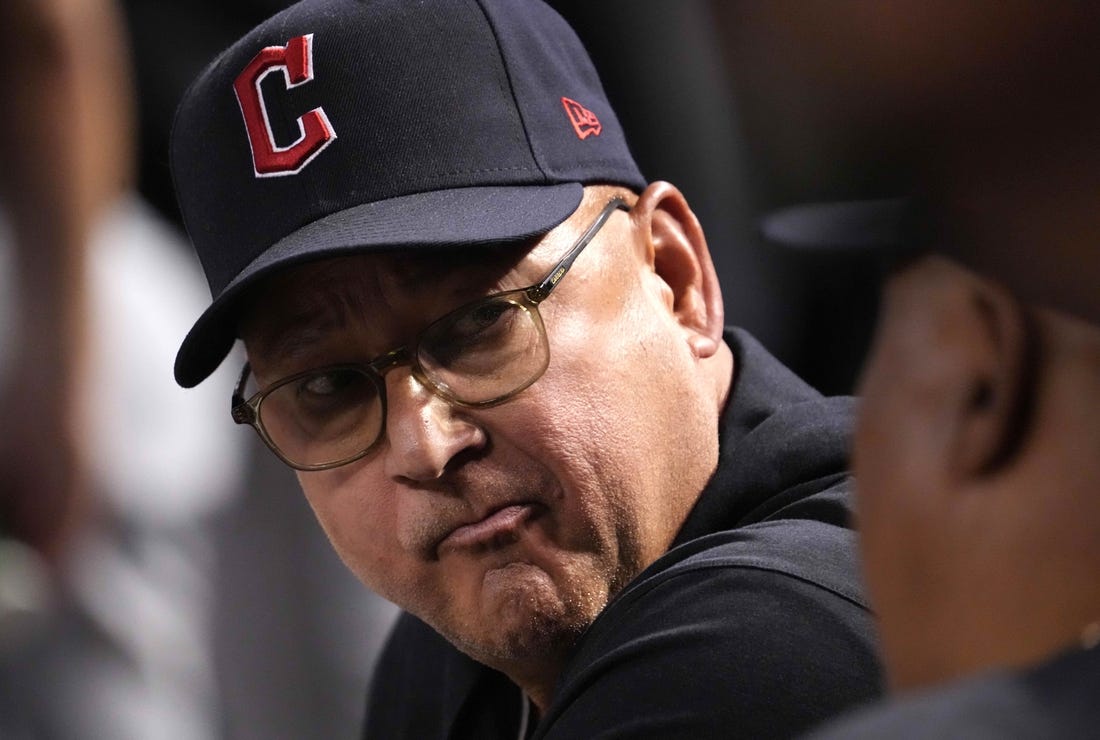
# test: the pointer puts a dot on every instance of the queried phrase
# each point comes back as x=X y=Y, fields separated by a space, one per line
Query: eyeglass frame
x=247 y=412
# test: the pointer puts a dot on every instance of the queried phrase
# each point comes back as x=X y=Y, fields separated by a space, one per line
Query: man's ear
x=995 y=415
x=677 y=252
x=965 y=349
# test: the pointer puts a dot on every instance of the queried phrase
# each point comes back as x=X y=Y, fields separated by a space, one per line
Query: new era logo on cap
x=584 y=121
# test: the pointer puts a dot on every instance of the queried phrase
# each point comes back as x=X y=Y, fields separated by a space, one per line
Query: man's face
x=978 y=466
x=507 y=528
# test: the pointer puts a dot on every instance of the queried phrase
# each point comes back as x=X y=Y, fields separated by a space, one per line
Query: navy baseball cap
x=344 y=126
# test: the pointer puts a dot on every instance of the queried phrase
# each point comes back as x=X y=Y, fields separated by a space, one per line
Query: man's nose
x=423 y=431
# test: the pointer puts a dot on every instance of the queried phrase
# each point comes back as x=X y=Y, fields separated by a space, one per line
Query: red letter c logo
x=315 y=131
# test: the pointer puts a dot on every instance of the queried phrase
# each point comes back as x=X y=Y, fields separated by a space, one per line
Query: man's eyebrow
x=331 y=302
x=299 y=331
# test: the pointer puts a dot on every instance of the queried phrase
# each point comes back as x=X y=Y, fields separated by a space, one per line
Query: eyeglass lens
x=478 y=355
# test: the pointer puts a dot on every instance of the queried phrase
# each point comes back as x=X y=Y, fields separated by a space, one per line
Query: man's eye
x=330 y=383
x=481 y=328
x=319 y=385
x=481 y=318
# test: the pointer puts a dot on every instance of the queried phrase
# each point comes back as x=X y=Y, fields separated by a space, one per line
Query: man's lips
x=499 y=527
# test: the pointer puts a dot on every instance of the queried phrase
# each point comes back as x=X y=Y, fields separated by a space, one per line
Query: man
x=979 y=513
x=977 y=452
x=496 y=357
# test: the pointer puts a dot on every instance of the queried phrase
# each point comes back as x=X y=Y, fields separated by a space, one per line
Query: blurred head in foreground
x=977 y=457
x=977 y=454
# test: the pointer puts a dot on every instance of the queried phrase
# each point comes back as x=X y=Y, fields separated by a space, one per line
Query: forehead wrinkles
x=413 y=285
x=398 y=290
x=367 y=290
x=293 y=310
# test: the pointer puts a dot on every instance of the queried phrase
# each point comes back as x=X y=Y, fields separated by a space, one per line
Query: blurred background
x=160 y=574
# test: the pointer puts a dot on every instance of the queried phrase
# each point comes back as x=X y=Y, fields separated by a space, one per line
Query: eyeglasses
x=476 y=356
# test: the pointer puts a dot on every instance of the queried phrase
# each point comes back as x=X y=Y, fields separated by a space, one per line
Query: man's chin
x=522 y=616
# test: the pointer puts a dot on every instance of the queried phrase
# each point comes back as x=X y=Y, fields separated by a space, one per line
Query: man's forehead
x=393 y=271
x=401 y=284
x=381 y=284
x=410 y=270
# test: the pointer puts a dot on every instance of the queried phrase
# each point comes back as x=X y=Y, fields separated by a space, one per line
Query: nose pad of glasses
x=424 y=431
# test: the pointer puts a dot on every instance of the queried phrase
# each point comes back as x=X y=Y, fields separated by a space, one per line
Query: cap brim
x=845 y=226
x=436 y=220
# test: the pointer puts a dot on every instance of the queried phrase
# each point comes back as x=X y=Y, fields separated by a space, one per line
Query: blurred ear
x=994 y=416
x=953 y=361
x=678 y=254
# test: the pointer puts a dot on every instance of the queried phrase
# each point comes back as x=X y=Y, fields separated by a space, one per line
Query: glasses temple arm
x=539 y=292
x=241 y=412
